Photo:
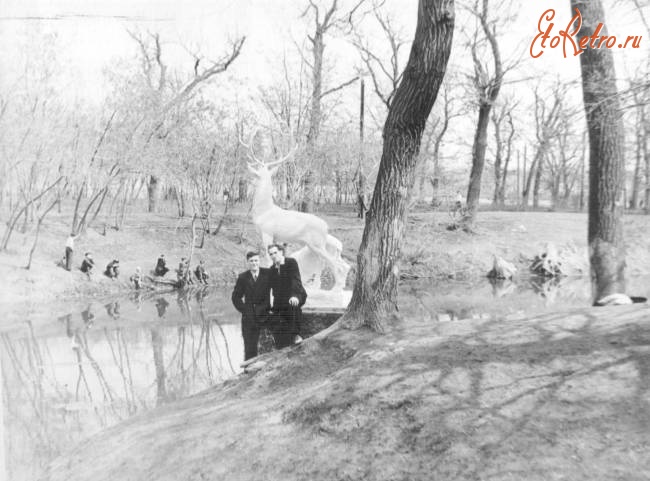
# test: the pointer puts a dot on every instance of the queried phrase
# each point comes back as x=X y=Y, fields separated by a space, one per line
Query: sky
x=91 y=35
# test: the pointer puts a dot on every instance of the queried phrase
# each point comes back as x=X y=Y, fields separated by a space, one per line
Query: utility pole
x=361 y=179
x=582 y=184
x=524 y=178
x=517 y=192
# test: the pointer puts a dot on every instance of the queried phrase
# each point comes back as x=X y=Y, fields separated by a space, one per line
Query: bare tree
x=563 y=162
x=383 y=63
x=21 y=210
x=642 y=154
x=325 y=20
x=36 y=145
x=487 y=84
x=504 y=132
x=79 y=221
x=288 y=102
x=165 y=95
x=444 y=111
x=375 y=289
x=547 y=118
x=384 y=70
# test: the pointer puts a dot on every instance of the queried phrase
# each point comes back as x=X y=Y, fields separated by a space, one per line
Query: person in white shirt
x=69 y=249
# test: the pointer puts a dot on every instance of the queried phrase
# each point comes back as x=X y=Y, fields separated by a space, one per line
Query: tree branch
x=339 y=87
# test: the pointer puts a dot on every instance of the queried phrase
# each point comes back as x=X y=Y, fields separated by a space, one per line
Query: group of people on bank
x=252 y=298
x=88 y=264
x=183 y=275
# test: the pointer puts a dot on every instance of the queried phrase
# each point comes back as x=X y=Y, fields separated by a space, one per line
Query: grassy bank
x=430 y=250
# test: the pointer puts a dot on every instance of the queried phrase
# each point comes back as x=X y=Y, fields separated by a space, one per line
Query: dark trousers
x=68 y=259
x=285 y=325
x=250 y=331
x=160 y=271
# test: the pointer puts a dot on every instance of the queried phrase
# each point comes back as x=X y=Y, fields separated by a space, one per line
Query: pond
x=78 y=373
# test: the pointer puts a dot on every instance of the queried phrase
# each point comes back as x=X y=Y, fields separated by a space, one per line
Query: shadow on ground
x=561 y=396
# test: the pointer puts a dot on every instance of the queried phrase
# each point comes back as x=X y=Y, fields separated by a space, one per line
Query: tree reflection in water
x=65 y=381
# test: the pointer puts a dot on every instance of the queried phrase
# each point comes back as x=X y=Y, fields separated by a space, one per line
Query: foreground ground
x=559 y=397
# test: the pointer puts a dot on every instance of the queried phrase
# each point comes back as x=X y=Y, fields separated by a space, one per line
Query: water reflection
x=64 y=380
x=502 y=287
x=83 y=372
x=502 y=298
x=113 y=309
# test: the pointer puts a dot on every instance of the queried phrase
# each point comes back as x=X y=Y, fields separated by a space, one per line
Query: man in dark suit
x=161 y=266
x=288 y=297
x=251 y=297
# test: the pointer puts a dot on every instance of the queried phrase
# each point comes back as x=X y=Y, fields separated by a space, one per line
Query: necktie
x=254 y=277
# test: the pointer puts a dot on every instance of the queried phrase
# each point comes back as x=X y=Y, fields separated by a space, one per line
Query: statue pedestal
x=318 y=299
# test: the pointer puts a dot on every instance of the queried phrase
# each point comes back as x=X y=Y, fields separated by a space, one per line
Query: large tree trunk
x=605 y=126
x=496 y=122
x=315 y=116
x=375 y=290
x=361 y=179
x=636 y=180
x=498 y=176
x=179 y=195
x=538 y=182
x=153 y=188
x=242 y=190
x=528 y=179
x=501 y=194
x=646 y=158
x=478 y=161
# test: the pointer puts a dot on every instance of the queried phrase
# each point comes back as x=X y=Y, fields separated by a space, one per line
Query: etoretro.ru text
x=546 y=38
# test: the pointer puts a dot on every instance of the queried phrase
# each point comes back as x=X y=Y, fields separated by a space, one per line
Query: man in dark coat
x=161 y=266
x=112 y=269
x=288 y=297
x=251 y=297
x=200 y=273
x=87 y=264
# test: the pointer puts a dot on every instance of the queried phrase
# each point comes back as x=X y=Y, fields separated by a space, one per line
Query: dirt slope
x=563 y=396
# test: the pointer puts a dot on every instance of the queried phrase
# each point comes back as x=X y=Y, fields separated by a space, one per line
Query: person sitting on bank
x=112 y=269
x=200 y=273
x=182 y=273
x=188 y=271
x=161 y=266
x=137 y=278
x=458 y=204
x=87 y=264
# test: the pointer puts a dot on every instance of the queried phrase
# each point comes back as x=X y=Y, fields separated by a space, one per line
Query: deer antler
x=250 y=153
x=283 y=159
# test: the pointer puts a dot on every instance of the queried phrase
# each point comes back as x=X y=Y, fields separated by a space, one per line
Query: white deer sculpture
x=276 y=224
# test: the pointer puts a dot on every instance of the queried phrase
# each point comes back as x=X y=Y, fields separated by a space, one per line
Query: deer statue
x=276 y=224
